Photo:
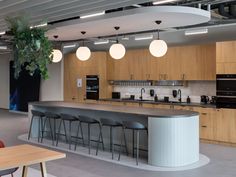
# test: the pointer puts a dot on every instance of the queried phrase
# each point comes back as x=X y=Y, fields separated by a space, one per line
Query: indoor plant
x=32 y=49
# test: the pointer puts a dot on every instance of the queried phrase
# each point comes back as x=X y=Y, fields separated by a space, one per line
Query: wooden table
x=25 y=155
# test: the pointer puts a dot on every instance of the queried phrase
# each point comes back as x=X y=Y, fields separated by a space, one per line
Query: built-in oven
x=226 y=91
x=92 y=87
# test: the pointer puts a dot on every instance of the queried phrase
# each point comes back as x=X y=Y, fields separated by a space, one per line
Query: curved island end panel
x=173 y=135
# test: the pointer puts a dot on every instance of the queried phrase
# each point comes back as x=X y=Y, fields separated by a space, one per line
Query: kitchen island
x=173 y=135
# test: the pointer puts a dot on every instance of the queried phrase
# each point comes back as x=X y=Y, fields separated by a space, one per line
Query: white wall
x=4 y=80
x=52 y=89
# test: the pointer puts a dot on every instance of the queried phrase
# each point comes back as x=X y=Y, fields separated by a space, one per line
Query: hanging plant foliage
x=32 y=49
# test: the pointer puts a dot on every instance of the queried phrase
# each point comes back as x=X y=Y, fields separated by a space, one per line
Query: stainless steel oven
x=226 y=91
x=92 y=87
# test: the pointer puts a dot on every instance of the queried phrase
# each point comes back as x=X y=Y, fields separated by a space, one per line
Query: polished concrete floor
x=223 y=159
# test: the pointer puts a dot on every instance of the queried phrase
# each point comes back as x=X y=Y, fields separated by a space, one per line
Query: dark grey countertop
x=165 y=113
x=161 y=102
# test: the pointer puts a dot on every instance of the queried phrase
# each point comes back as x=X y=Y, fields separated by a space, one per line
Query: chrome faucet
x=142 y=91
x=180 y=98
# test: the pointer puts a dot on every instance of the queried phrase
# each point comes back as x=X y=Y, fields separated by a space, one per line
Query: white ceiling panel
x=53 y=10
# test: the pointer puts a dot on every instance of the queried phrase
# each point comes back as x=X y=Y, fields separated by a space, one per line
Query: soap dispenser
x=188 y=100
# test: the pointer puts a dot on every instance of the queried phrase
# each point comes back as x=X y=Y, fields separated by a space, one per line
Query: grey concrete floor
x=223 y=159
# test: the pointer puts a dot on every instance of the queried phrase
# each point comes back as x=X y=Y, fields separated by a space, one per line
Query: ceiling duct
x=231 y=13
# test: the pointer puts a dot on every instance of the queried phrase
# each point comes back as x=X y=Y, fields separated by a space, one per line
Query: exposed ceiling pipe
x=230 y=14
x=232 y=10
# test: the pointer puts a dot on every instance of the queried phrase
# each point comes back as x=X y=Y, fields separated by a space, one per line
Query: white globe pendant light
x=158 y=48
x=83 y=53
x=57 y=56
x=117 y=51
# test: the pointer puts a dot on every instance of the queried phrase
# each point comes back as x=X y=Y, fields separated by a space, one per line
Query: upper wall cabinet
x=226 y=57
x=180 y=63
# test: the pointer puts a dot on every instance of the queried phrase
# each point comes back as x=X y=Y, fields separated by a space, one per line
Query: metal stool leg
x=64 y=125
x=51 y=131
x=112 y=146
x=126 y=147
x=110 y=138
x=70 y=135
x=103 y=148
x=44 y=126
x=137 y=152
x=89 y=138
x=31 y=123
x=121 y=138
x=98 y=142
x=39 y=123
x=82 y=135
x=54 y=129
x=59 y=132
x=133 y=142
x=77 y=136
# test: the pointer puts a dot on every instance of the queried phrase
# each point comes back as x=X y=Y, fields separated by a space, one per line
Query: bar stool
x=134 y=126
x=111 y=124
x=70 y=119
x=89 y=121
x=39 y=115
x=48 y=117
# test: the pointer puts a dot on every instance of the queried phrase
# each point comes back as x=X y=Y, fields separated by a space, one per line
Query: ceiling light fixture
x=69 y=46
x=3 y=47
x=163 y=2
x=196 y=32
x=125 y=38
x=92 y=15
x=117 y=50
x=2 y=32
x=39 y=26
x=83 y=53
x=158 y=48
x=139 y=38
x=57 y=56
x=101 y=41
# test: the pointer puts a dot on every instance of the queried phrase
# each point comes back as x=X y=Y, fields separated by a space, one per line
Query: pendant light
x=57 y=56
x=83 y=53
x=117 y=50
x=158 y=48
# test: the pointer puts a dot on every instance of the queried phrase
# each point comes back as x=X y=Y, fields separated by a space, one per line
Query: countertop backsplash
x=194 y=89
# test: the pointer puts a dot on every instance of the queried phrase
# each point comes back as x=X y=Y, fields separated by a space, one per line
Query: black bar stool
x=134 y=126
x=112 y=124
x=48 y=117
x=39 y=115
x=70 y=119
x=89 y=121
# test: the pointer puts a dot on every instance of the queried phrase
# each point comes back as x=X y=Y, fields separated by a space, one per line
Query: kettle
x=204 y=99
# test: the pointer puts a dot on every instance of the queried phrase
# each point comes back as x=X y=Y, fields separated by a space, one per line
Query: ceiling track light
x=139 y=38
x=158 y=48
x=69 y=46
x=92 y=14
x=2 y=32
x=3 y=47
x=196 y=32
x=83 y=53
x=117 y=50
x=163 y=2
x=101 y=41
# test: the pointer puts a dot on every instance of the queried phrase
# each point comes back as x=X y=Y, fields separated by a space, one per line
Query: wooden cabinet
x=179 y=63
x=74 y=69
x=226 y=57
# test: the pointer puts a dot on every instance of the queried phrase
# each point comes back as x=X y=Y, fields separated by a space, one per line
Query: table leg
x=43 y=169
x=24 y=171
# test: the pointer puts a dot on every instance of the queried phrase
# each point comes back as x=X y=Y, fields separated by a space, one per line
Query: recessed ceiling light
x=139 y=38
x=2 y=32
x=40 y=25
x=101 y=41
x=3 y=47
x=69 y=46
x=163 y=2
x=92 y=14
x=196 y=31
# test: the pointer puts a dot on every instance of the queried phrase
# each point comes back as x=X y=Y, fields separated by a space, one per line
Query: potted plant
x=32 y=49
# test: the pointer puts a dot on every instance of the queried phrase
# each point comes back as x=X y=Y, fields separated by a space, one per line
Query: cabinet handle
x=73 y=98
x=204 y=126
x=204 y=113
x=183 y=76
x=131 y=76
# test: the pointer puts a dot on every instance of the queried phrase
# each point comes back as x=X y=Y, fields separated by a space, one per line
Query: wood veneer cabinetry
x=74 y=69
x=226 y=57
x=180 y=63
